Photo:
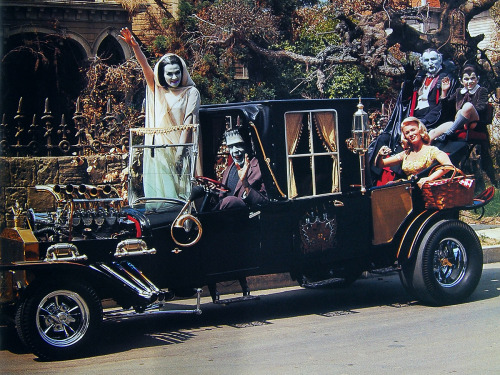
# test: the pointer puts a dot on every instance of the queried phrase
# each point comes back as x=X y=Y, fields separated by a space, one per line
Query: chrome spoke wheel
x=62 y=318
x=59 y=318
x=450 y=262
x=448 y=265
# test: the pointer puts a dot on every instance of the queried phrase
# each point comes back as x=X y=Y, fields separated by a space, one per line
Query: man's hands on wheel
x=211 y=185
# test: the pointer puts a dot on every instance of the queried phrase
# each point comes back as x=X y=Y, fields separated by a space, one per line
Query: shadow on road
x=277 y=304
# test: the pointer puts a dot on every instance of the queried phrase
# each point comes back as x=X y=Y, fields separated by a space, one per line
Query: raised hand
x=127 y=36
x=445 y=84
x=242 y=172
x=384 y=151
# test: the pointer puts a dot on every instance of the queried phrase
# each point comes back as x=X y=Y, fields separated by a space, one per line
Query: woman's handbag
x=456 y=191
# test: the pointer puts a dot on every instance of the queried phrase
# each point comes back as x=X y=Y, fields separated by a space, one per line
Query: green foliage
x=286 y=10
x=186 y=10
x=347 y=82
x=314 y=29
x=216 y=84
x=492 y=209
x=305 y=27
x=161 y=43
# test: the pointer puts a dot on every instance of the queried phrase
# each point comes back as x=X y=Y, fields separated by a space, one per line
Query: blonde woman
x=417 y=155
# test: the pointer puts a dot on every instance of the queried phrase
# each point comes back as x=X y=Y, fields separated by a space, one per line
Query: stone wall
x=19 y=175
x=86 y=23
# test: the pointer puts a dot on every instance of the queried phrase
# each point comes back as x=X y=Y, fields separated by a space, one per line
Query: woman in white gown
x=172 y=104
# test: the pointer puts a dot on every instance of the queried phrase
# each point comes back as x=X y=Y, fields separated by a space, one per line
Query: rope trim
x=268 y=161
x=143 y=131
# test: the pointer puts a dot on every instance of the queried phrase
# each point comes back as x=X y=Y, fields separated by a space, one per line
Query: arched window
x=110 y=51
x=36 y=66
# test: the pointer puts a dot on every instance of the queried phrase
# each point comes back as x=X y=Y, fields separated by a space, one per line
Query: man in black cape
x=419 y=97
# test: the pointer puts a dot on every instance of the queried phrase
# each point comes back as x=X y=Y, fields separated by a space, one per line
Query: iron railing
x=48 y=136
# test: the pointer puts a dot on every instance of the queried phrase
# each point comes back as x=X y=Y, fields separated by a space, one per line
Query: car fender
x=416 y=230
x=107 y=286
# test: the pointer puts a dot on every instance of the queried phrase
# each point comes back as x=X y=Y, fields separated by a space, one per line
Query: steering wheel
x=211 y=184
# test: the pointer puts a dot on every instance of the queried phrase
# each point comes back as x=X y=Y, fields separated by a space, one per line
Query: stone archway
x=108 y=45
x=80 y=42
x=39 y=64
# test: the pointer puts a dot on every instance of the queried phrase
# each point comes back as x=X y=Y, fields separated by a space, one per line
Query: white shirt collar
x=463 y=90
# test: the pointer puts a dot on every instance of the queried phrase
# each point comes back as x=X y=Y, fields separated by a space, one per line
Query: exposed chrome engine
x=81 y=212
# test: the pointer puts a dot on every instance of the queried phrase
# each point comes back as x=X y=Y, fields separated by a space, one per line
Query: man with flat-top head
x=242 y=176
x=243 y=179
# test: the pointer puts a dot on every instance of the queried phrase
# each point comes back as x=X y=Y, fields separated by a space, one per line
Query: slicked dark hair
x=469 y=69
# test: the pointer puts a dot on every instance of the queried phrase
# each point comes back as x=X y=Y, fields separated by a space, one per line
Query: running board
x=228 y=301
x=159 y=308
x=317 y=284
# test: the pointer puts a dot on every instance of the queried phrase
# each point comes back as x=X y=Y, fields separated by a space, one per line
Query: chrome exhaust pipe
x=111 y=272
x=89 y=190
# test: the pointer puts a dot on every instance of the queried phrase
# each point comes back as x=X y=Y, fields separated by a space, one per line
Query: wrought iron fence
x=80 y=135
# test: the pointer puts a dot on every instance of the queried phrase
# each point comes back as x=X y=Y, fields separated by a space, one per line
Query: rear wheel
x=57 y=321
x=449 y=263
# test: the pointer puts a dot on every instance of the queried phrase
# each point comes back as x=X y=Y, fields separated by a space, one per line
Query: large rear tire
x=449 y=263
x=59 y=321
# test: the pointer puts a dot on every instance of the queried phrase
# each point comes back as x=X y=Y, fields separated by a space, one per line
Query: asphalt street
x=371 y=328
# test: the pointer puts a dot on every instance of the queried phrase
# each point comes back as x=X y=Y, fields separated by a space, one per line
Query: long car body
x=320 y=225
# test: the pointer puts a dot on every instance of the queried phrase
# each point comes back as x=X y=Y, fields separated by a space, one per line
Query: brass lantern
x=360 y=139
x=360 y=130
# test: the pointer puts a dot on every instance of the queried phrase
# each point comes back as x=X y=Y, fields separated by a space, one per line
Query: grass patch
x=492 y=209
x=491 y=213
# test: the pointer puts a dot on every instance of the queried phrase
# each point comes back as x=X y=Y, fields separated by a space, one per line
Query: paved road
x=370 y=328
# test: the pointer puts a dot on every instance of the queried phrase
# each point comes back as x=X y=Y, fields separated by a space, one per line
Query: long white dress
x=168 y=108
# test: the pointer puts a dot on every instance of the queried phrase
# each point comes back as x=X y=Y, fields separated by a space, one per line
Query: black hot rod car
x=321 y=224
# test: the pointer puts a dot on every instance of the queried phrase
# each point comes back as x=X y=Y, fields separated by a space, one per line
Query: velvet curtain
x=294 y=125
x=326 y=127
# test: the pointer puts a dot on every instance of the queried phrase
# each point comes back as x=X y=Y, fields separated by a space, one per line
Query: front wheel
x=59 y=321
x=449 y=263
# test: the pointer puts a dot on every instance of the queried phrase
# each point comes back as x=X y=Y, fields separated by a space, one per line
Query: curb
x=491 y=254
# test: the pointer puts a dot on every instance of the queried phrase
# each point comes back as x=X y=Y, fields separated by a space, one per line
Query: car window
x=312 y=153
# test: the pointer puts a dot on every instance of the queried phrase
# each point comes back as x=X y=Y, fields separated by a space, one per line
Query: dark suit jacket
x=257 y=192
x=433 y=115
x=479 y=100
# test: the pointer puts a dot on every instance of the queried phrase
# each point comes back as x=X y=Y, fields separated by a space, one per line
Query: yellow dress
x=425 y=160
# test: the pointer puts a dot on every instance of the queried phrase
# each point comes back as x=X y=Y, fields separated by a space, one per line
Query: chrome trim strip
x=133 y=277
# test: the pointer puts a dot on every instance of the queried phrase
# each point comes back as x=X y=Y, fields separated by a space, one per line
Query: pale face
x=237 y=151
x=172 y=74
x=470 y=81
x=431 y=61
x=411 y=132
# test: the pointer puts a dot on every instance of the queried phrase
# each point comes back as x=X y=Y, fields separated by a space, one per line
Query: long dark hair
x=167 y=60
